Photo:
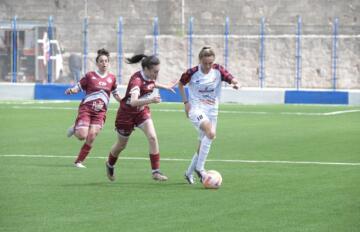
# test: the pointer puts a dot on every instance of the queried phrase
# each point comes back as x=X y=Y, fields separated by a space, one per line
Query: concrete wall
x=209 y=18
x=9 y=91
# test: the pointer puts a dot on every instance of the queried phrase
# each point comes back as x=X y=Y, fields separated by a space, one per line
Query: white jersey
x=205 y=89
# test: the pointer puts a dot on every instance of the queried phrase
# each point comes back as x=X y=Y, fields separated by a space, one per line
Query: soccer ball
x=212 y=179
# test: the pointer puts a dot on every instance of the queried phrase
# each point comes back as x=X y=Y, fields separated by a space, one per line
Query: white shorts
x=198 y=116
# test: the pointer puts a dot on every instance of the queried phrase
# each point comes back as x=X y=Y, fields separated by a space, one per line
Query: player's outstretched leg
x=203 y=153
x=189 y=172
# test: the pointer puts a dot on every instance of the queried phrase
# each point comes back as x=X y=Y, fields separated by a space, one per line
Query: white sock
x=192 y=165
x=203 y=153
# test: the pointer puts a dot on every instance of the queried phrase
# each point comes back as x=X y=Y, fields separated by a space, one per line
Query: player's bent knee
x=211 y=135
x=152 y=139
x=81 y=136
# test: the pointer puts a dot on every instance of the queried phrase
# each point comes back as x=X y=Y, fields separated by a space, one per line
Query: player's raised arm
x=235 y=83
x=184 y=98
x=72 y=90
x=169 y=87
x=117 y=96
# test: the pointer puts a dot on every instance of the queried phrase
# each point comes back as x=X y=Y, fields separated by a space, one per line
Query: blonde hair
x=206 y=52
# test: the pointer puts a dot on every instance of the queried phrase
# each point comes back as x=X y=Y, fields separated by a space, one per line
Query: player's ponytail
x=146 y=61
x=102 y=52
x=135 y=59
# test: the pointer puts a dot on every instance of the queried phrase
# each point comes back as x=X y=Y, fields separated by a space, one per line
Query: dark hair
x=102 y=52
x=146 y=61
x=205 y=52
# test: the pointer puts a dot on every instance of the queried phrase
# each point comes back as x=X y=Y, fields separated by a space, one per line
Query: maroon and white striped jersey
x=98 y=87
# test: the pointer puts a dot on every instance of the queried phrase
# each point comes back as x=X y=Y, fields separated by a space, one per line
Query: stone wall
x=209 y=17
x=280 y=62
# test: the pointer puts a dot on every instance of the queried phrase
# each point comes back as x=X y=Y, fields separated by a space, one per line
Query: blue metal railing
x=334 y=55
x=156 y=34
x=262 y=53
x=15 y=25
x=190 y=42
x=14 y=49
x=85 y=44
x=120 y=49
x=298 y=53
x=226 y=45
x=49 y=61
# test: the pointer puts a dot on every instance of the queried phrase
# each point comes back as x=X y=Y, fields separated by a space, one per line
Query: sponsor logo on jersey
x=101 y=83
x=206 y=90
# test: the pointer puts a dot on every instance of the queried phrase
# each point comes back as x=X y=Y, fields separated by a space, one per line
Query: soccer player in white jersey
x=201 y=106
x=97 y=86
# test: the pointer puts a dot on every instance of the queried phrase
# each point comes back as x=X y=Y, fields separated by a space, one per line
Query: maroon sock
x=84 y=151
x=112 y=159
x=155 y=161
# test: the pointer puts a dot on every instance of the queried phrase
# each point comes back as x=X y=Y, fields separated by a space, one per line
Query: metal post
x=226 y=38
x=36 y=54
x=156 y=34
x=120 y=48
x=49 y=60
x=14 y=50
x=298 y=53
x=182 y=17
x=334 y=52
x=190 y=41
x=262 y=53
x=85 y=44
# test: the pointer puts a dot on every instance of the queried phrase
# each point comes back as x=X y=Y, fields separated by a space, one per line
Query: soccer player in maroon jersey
x=135 y=112
x=92 y=110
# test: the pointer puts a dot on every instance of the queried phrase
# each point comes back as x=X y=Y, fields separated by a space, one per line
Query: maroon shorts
x=87 y=116
x=126 y=121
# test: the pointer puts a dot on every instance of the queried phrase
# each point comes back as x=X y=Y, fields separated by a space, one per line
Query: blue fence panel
x=167 y=96
x=55 y=92
x=316 y=97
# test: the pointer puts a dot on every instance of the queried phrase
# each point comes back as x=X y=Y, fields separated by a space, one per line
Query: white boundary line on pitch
x=187 y=160
x=220 y=111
